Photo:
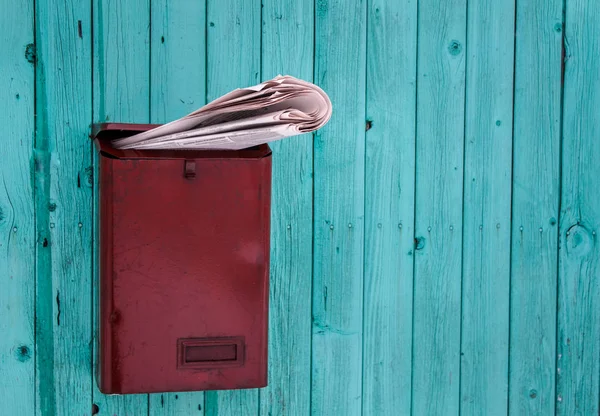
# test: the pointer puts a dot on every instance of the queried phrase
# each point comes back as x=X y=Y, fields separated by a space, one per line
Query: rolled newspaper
x=282 y=107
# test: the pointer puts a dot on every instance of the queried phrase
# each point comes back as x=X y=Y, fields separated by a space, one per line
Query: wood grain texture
x=178 y=59
x=233 y=61
x=536 y=154
x=232 y=402
x=17 y=222
x=63 y=215
x=177 y=87
x=121 y=61
x=447 y=154
x=438 y=217
x=287 y=48
x=121 y=93
x=177 y=404
x=487 y=206
x=578 y=365
x=233 y=45
x=339 y=163
x=389 y=207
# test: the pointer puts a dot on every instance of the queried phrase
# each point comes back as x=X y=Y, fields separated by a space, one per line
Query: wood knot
x=23 y=353
x=455 y=48
x=419 y=243
x=30 y=53
x=579 y=240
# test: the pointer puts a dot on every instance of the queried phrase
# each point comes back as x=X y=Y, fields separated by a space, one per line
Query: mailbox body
x=183 y=267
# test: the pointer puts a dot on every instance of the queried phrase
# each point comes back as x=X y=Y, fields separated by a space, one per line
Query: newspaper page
x=282 y=107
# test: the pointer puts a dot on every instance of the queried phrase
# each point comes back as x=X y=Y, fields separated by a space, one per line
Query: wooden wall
x=434 y=247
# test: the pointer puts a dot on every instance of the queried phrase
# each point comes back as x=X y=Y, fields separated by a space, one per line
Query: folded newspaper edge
x=282 y=107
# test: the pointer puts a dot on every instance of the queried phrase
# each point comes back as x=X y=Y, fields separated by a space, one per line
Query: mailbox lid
x=184 y=266
x=103 y=133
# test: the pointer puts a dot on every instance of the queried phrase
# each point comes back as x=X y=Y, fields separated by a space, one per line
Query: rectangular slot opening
x=206 y=353
x=210 y=353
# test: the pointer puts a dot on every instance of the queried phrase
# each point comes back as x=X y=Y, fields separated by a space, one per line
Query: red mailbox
x=184 y=266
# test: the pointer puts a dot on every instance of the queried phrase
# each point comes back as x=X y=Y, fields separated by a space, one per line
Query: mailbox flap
x=104 y=133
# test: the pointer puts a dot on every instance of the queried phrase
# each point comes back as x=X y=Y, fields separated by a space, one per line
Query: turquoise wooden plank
x=339 y=169
x=233 y=61
x=121 y=92
x=178 y=59
x=438 y=216
x=389 y=207
x=288 y=48
x=233 y=45
x=578 y=367
x=487 y=205
x=121 y=61
x=536 y=147
x=177 y=87
x=63 y=215
x=177 y=404
x=231 y=402
x=17 y=223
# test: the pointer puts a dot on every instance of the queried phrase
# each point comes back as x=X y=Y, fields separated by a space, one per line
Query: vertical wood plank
x=17 y=222
x=177 y=87
x=339 y=162
x=232 y=402
x=288 y=48
x=121 y=61
x=438 y=218
x=389 y=207
x=233 y=61
x=121 y=93
x=233 y=45
x=63 y=215
x=487 y=206
x=177 y=404
x=578 y=364
x=535 y=207
x=178 y=59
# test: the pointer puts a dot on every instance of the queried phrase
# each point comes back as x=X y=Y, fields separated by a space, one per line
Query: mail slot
x=183 y=266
